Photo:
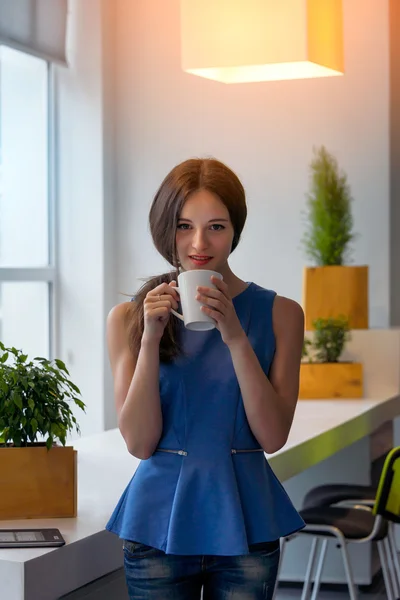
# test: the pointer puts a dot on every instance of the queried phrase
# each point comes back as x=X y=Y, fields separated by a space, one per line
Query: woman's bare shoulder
x=121 y=311
x=288 y=312
x=118 y=318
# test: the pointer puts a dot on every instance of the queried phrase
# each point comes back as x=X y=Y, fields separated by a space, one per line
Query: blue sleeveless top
x=208 y=488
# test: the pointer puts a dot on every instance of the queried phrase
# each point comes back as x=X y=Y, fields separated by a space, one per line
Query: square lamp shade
x=238 y=41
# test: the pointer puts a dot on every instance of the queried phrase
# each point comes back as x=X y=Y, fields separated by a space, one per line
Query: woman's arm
x=136 y=380
x=136 y=386
x=270 y=402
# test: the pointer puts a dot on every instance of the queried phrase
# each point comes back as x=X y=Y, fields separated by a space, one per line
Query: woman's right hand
x=157 y=309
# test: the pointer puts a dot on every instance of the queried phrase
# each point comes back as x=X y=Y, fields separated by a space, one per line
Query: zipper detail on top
x=180 y=452
x=233 y=451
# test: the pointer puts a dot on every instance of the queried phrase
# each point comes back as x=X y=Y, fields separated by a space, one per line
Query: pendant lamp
x=237 y=41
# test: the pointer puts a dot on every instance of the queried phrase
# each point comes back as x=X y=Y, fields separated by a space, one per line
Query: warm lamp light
x=236 y=41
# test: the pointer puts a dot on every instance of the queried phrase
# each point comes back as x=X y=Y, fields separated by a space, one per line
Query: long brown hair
x=184 y=179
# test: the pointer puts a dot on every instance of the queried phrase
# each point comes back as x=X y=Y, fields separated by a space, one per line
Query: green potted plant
x=322 y=374
x=38 y=471
x=331 y=287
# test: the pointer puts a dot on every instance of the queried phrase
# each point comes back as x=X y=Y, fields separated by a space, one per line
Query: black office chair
x=369 y=518
x=349 y=495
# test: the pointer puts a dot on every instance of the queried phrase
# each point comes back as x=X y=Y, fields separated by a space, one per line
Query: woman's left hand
x=220 y=307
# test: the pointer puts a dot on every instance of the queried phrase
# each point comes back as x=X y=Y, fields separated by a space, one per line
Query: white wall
x=127 y=114
x=264 y=131
x=394 y=219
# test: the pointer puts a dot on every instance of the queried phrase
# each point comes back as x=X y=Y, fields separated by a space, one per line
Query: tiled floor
x=330 y=596
x=286 y=595
x=295 y=594
x=376 y=593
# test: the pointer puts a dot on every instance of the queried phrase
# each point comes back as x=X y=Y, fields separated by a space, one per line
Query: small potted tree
x=331 y=287
x=322 y=374
x=38 y=472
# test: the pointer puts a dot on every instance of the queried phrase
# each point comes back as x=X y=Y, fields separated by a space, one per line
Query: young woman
x=204 y=508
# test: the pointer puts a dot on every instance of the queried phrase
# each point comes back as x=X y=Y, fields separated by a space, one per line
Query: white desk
x=320 y=429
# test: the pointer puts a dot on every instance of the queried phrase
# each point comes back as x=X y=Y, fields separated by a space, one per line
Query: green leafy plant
x=35 y=398
x=329 y=218
x=329 y=339
x=307 y=347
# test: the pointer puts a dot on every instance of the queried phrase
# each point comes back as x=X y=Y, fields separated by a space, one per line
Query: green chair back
x=387 y=502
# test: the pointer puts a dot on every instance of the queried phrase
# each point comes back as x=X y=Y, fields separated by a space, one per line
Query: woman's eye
x=213 y=227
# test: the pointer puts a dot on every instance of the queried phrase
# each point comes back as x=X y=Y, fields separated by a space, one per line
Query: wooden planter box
x=336 y=291
x=38 y=483
x=331 y=380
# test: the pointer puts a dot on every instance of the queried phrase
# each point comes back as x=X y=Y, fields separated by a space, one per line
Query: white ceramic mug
x=193 y=317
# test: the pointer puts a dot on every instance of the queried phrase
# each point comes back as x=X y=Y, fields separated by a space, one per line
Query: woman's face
x=205 y=233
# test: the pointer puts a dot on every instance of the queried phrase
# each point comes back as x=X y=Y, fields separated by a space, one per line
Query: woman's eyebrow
x=210 y=221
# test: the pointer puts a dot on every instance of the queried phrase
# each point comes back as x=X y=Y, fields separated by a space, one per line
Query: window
x=27 y=271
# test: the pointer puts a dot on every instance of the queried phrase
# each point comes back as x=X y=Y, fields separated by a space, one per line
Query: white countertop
x=323 y=427
x=320 y=429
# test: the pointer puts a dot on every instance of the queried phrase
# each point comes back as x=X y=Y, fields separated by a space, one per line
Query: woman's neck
x=235 y=284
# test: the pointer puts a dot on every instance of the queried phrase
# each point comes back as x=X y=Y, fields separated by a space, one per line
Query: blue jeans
x=153 y=575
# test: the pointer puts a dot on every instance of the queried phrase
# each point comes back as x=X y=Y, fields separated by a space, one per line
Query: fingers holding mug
x=163 y=295
x=158 y=304
x=163 y=300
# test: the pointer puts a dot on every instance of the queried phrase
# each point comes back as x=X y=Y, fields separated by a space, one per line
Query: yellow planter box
x=36 y=483
x=331 y=380
x=335 y=291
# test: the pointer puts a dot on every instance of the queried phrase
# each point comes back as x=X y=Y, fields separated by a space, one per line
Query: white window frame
x=47 y=274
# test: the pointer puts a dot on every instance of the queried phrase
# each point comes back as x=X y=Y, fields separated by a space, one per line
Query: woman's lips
x=200 y=260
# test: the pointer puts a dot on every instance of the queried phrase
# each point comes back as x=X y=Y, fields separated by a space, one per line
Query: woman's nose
x=199 y=241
